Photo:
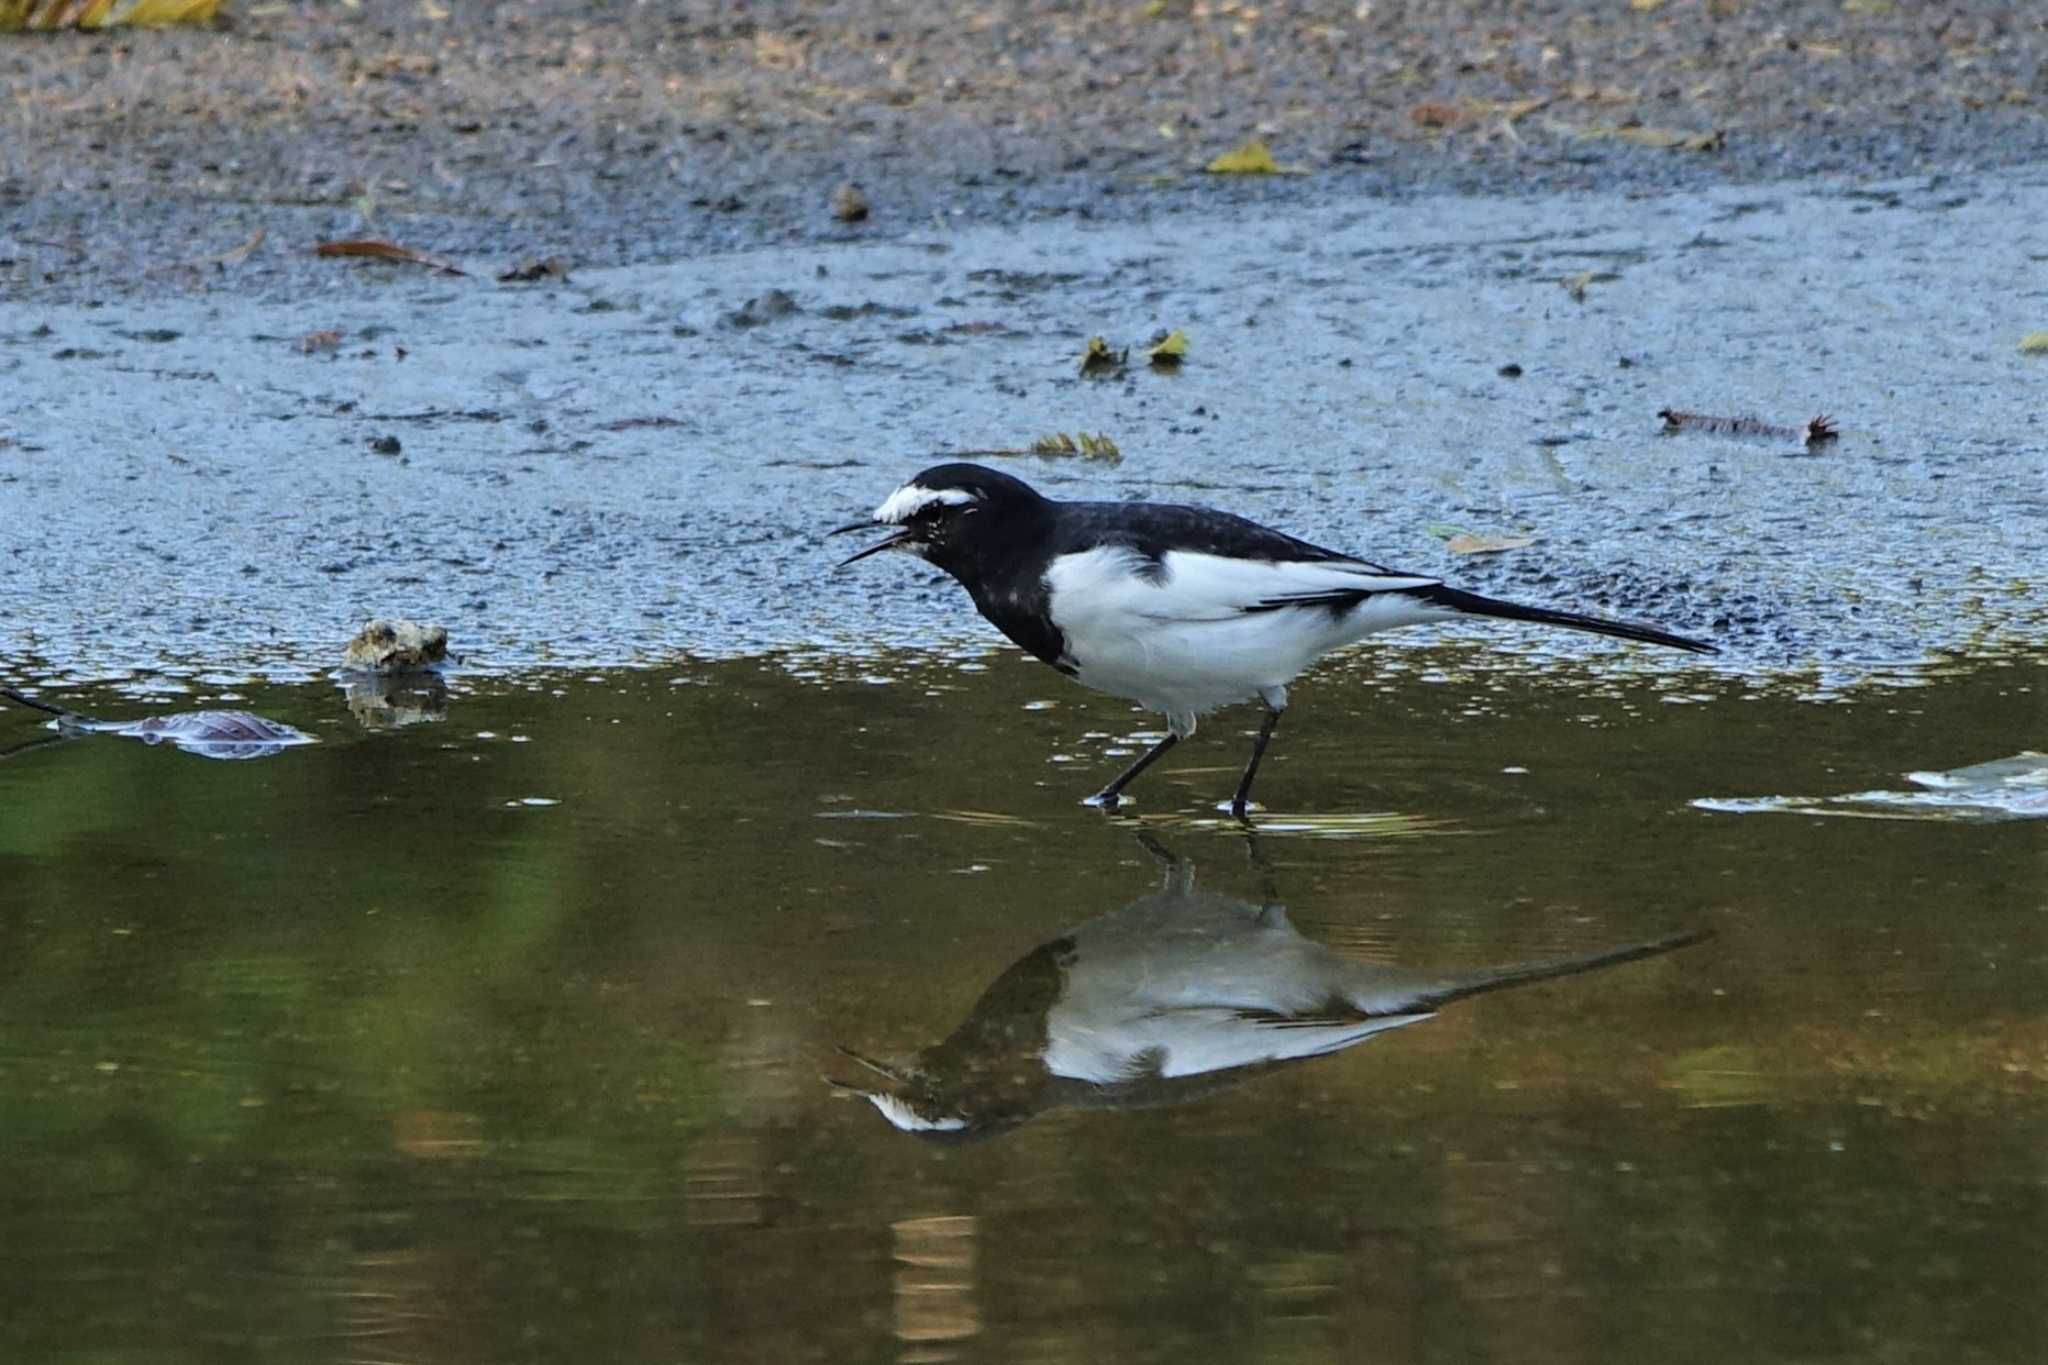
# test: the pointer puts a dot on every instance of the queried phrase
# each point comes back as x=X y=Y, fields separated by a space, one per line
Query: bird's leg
x=1239 y=802
x=1110 y=796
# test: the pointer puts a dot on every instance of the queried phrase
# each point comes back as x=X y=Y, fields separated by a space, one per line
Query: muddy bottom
x=785 y=1011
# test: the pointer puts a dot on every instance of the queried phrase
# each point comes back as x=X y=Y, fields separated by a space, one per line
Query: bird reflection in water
x=1175 y=996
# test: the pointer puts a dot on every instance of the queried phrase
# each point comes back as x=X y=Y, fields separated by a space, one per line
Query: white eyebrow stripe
x=906 y=501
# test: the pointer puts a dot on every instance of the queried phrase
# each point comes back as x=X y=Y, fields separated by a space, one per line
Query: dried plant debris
x=209 y=734
x=1468 y=543
x=234 y=256
x=849 y=205
x=528 y=269
x=1167 y=350
x=2034 y=343
x=1666 y=139
x=1098 y=361
x=91 y=14
x=1057 y=446
x=387 y=251
x=316 y=343
x=1460 y=541
x=396 y=646
x=1817 y=432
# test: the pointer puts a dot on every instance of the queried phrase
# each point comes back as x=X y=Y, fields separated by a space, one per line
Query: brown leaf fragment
x=387 y=251
x=311 y=342
x=1434 y=114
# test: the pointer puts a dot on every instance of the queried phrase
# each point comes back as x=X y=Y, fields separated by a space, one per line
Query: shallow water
x=514 y=1034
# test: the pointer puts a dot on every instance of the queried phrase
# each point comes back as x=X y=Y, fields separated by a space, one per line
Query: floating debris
x=397 y=646
x=2034 y=343
x=209 y=734
x=1818 y=431
x=2013 y=788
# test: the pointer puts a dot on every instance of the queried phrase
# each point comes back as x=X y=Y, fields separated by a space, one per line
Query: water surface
x=524 y=1033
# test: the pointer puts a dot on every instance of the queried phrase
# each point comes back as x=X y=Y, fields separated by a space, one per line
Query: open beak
x=891 y=543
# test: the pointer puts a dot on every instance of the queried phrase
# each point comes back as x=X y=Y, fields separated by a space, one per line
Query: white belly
x=1185 y=642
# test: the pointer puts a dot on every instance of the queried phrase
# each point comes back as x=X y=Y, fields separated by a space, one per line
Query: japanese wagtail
x=1179 y=609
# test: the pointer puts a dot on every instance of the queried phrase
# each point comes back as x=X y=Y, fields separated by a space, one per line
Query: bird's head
x=951 y=514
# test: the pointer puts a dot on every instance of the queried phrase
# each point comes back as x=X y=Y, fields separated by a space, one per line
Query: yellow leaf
x=1253 y=158
x=2034 y=343
x=1645 y=6
x=1465 y=543
x=1169 y=350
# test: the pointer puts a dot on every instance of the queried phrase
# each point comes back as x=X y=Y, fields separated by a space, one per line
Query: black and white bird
x=1179 y=609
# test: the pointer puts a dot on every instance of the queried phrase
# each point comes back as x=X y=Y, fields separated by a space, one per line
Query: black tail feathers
x=1473 y=604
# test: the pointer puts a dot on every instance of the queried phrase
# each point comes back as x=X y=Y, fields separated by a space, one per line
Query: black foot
x=1104 y=800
